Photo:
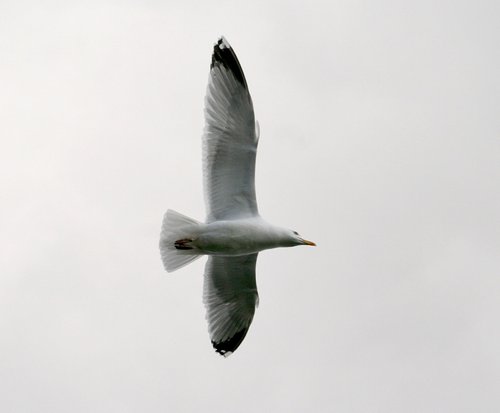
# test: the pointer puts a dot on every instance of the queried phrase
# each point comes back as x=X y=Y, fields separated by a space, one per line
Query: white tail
x=177 y=231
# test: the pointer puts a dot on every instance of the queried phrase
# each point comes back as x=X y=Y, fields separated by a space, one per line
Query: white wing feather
x=230 y=297
x=229 y=140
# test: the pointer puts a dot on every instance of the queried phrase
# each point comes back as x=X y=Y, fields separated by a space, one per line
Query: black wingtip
x=224 y=55
x=230 y=345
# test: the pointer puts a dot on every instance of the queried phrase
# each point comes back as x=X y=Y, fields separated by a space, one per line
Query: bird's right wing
x=229 y=140
x=230 y=297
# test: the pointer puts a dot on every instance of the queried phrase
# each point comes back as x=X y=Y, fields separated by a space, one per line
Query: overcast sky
x=380 y=141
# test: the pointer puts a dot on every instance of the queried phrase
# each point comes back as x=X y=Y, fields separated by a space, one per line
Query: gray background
x=380 y=141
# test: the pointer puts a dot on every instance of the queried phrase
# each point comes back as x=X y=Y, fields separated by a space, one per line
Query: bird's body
x=240 y=237
x=234 y=232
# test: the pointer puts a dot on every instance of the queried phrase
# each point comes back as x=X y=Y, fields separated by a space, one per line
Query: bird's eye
x=295 y=232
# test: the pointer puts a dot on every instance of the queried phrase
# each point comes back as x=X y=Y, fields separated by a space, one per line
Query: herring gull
x=234 y=233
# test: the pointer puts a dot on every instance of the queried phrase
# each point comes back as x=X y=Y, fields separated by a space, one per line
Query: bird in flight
x=234 y=233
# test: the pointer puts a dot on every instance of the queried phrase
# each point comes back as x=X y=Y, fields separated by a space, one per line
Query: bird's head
x=296 y=239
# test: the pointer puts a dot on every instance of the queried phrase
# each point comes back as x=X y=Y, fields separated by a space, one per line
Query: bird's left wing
x=230 y=297
x=229 y=140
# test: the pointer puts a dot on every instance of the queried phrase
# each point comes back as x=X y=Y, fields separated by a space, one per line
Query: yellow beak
x=306 y=242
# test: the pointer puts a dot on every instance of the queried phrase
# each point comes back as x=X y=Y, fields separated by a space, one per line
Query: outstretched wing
x=229 y=141
x=230 y=297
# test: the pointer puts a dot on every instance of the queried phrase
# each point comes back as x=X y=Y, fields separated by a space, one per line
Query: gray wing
x=230 y=297
x=229 y=141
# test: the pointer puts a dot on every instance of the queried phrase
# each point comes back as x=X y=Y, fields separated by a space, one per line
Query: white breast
x=236 y=237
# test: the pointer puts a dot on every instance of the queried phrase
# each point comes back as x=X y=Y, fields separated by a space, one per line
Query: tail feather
x=177 y=231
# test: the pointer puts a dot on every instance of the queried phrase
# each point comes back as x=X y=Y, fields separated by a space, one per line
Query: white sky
x=380 y=140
